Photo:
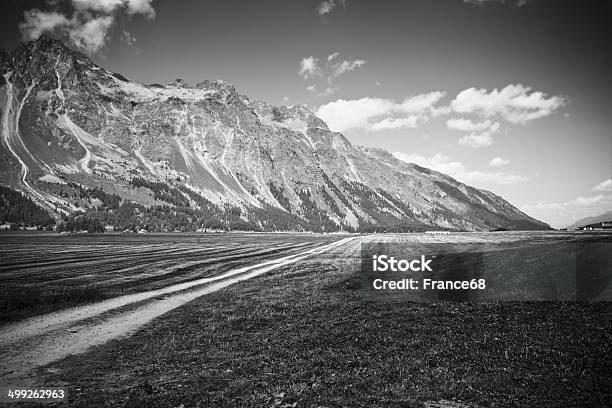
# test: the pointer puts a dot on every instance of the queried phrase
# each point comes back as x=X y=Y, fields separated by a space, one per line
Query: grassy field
x=302 y=336
x=45 y=272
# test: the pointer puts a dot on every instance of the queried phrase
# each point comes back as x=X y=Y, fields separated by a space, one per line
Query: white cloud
x=498 y=162
x=144 y=7
x=467 y=125
x=576 y=202
x=476 y=140
x=605 y=185
x=378 y=113
x=483 y=139
x=481 y=135
x=348 y=114
x=395 y=123
x=97 y=5
x=327 y=6
x=421 y=103
x=37 y=22
x=346 y=66
x=561 y=214
x=309 y=67
x=514 y=103
x=456 y=169
x=586 y=201
x=132 y=7
x=332 y=56
x=543 y=206
x=91 y=36
x=441 y=110
x=88 y=27
x=313 y=89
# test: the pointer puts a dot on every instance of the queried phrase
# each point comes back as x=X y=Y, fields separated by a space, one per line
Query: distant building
x=437 y=232
x=598 y=226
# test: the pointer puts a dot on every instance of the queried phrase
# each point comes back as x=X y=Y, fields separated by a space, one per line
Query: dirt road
x=36 y=342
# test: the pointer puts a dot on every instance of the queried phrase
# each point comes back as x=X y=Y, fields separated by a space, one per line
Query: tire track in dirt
x=36 y=342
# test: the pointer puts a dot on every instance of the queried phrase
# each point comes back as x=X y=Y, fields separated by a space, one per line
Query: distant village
x=598 y=226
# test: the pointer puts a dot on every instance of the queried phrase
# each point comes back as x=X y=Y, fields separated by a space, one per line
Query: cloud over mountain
x=374 y=114
x=86 y=24
x=515 y=104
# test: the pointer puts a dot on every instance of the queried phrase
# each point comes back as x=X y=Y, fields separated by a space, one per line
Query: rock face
x=65 y=119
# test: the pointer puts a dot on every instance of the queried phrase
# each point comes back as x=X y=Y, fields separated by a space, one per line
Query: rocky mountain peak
x=46 y=59
x=179 y=83
x=216 y=85
x=46 y=43
x=208 y=152
x=46 y=47
x=303 y=113
x=296 y=114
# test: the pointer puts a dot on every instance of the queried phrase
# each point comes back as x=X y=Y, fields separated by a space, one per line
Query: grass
x=42 y=273
x=307 y=338
x=17 y=303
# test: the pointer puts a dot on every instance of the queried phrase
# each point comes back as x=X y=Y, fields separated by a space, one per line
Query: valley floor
x=300 y=334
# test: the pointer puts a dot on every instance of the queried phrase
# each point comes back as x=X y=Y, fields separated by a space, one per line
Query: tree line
x=18 y=209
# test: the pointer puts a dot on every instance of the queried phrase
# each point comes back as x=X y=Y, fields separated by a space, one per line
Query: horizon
x=482 y=106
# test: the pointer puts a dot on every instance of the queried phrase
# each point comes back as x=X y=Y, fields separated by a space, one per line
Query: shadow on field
x=17 y=303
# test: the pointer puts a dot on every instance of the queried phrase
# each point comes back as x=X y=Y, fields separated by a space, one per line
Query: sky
x=508 y=95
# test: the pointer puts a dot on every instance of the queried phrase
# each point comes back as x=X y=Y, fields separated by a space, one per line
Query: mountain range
x=607 y=216
x=80 y=140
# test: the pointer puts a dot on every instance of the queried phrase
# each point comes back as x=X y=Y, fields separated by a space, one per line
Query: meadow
x=45 y=272
x=301 y=334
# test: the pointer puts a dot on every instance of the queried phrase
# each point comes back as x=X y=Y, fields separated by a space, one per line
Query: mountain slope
x=212 y=151
x=607 y=216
